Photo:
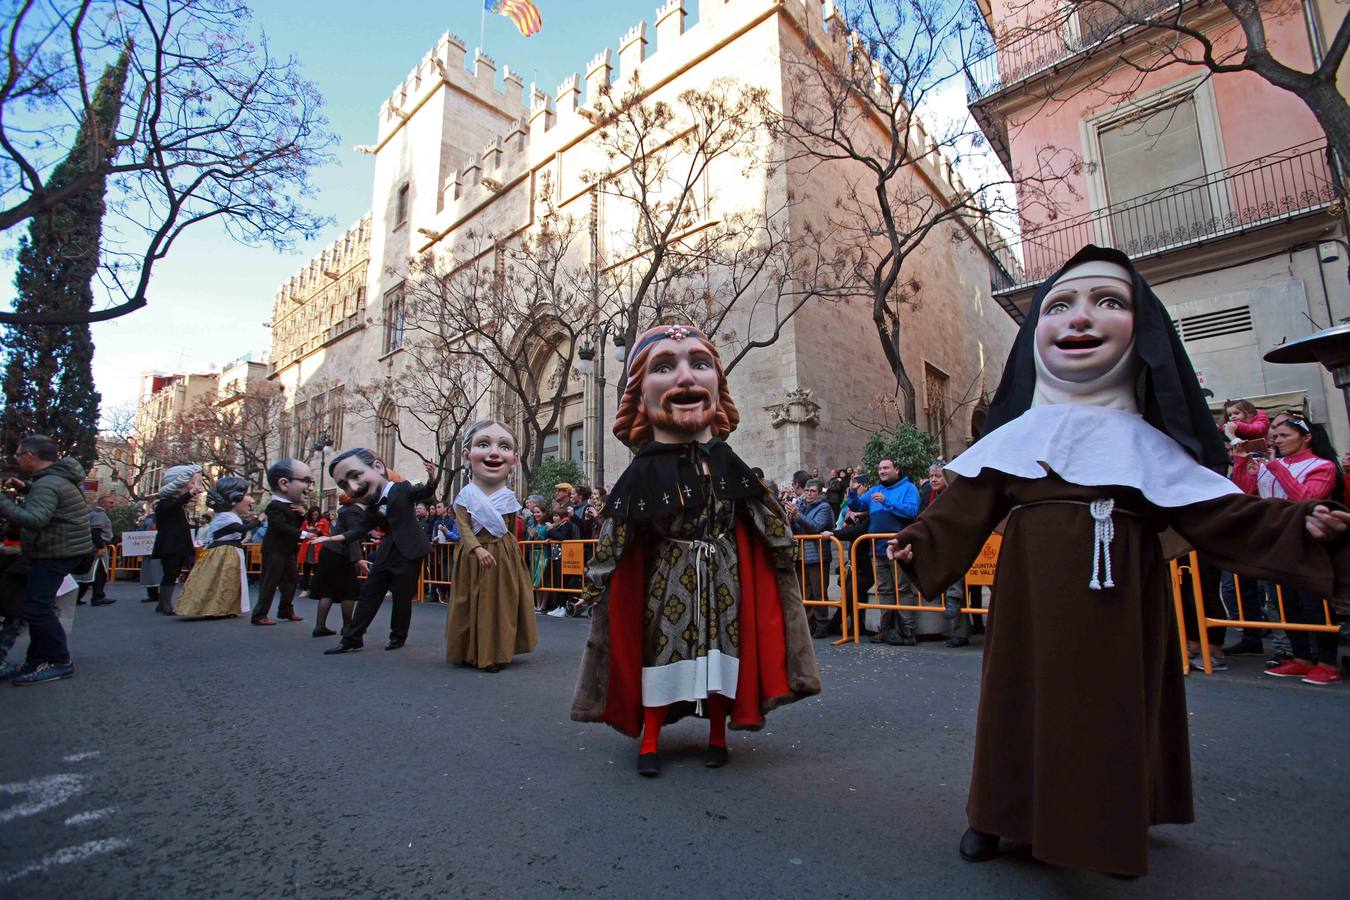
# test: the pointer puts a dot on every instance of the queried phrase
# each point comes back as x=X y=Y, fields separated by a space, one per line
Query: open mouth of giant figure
x=686 y=401
x=1079 y=343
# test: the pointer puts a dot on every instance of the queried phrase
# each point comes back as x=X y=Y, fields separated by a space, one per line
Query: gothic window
x=935 y=392
x=394 y=322
x=401 y=206
x=385 y=434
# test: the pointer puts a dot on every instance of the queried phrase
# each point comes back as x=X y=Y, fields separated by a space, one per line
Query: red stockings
x=716 y=707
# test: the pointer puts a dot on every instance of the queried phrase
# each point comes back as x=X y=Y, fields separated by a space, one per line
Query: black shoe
x=1252 y=648
x=958 y=642
x=322 y=632
x=820 y=633
x=493 y=669
x=149 y=599
x=104 y=601
x=393 y=645
x=877 y=638
x=903 y=638
x=716 y=757
x=976 y=846
x=342 y=648
x=649 y=764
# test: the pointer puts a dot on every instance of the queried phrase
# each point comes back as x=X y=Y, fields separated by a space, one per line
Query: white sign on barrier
x=138 y=543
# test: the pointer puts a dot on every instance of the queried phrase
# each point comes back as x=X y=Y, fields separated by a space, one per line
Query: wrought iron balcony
x=1234 y=201
x=1029 y=50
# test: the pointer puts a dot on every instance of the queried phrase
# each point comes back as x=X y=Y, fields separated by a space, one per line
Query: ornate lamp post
x=586 y=365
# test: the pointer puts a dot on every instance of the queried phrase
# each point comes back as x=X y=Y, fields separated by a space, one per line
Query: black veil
x=1167 y=391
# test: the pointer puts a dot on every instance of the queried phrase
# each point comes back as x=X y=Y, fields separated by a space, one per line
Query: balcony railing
x=1041 y=45
x=1230 y=202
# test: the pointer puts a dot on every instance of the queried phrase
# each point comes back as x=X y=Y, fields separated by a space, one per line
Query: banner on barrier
x=982 y=570
x=138 y=543
x=573 y=558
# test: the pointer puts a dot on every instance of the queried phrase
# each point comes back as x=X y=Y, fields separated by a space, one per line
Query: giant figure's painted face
x=1086 y=324
x=491 y=455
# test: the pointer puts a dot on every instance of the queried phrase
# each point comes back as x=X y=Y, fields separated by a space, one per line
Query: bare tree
x=213 y=128
x=512 y=309
x=861 y=112
x=438 y=390
x=134 y=453
x=672 y=249
x=235 y=435
x=1218 y=38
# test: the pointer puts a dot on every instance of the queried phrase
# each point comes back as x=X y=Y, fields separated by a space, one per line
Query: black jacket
x=351 y=524
x=173 y=537
x=405 y=538
x=283 y=527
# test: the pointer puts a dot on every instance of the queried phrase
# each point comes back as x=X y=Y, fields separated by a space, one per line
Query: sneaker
x=1277 y=660
x=1322 y=675
x=1290 y=669
x=44 y=672
x=8 y=671
x=1216 y=663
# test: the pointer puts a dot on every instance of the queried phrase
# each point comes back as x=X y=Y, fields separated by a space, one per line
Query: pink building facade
x=1219 y=187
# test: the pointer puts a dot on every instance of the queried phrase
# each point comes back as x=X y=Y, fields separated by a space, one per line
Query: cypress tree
x=49 y=378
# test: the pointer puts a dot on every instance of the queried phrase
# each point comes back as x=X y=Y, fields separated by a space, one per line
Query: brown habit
x=1081 y=742
x=491 y=617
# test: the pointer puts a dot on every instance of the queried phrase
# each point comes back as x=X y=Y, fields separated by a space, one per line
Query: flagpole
x=482 y=25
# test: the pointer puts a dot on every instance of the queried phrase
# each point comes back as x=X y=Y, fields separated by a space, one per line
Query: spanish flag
x=524 y=13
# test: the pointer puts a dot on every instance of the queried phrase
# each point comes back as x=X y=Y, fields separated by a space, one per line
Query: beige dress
x=491 y=610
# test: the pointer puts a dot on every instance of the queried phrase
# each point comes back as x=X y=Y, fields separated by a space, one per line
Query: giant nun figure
x=1099 y=441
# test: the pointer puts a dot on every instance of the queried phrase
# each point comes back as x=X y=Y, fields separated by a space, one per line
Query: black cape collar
x=663 y=479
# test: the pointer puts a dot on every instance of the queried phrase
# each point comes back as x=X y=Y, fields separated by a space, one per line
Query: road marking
x=67 y=855
x=92 y=816
x=45 y=793
x=80 y=757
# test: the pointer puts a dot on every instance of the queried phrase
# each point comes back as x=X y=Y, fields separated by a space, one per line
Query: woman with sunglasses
x=1300 y=473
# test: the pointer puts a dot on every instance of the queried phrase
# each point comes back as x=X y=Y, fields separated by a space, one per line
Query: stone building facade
x=461 y=150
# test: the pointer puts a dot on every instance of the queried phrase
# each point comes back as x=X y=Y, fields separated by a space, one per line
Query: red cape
x=763 y=651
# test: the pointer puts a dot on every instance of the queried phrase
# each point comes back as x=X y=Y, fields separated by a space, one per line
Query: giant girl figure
x=1099 y=441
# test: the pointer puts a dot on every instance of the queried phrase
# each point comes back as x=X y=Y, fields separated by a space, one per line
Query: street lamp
x=1330 y=347
x=323 y=445
x=586 y=365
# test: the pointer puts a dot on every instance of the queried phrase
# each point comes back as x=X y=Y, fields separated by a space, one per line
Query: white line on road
x=44 y=792
x=93 y=815
x=67 y=855
x=80 y=757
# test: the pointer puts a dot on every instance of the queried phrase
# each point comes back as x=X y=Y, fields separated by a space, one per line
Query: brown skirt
x=491 y=610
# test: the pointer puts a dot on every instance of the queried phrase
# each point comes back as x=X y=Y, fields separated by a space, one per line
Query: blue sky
x=210 y=297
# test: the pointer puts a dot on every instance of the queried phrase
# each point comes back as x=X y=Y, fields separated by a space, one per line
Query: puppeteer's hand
x=431 y=469
x=484 y=558
x=1327 y=524
x=364 y=566
x=904 y=554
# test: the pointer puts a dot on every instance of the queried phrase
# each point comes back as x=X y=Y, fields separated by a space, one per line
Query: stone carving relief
x=797 y=408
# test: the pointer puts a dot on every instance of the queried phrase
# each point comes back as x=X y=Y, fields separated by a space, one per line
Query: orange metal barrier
x=820 y=578
x=119 y=564
x=561 y=573
x=438 y=569
x=1205 y=622
x=868 y=541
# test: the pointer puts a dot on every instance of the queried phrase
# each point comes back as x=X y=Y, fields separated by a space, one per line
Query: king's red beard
x=686 y=421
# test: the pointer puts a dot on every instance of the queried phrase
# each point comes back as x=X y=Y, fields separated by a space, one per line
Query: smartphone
x=1252 y=446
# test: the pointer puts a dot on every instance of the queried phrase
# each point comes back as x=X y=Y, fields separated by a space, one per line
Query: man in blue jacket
x=892 y=505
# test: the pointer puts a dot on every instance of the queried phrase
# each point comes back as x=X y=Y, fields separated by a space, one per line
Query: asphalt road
x=212 y=759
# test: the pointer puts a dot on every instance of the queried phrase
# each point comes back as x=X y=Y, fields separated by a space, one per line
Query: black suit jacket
x=173 y=537
x=405 y=538
x=283 y=528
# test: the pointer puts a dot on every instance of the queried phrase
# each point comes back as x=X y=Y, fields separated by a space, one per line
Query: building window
x=335 y=413
x=385 y=435
x=935 y=393
x=551 y=445
x=394 y=319
x=1155 y=158
x=401 y=206
x=576 y=444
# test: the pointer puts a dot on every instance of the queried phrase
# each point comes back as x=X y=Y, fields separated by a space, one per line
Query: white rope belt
x=1103 y=533
x=703 y=551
